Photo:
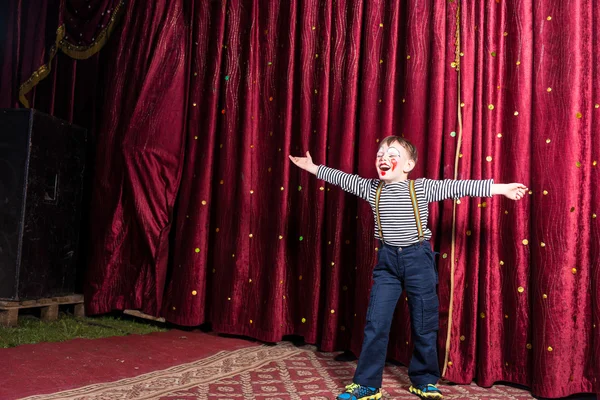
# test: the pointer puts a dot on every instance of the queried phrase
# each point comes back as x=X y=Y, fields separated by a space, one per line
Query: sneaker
x=426 y=391
x=355 y=391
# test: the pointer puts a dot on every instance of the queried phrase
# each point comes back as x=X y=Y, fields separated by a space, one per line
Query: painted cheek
x=394 y=164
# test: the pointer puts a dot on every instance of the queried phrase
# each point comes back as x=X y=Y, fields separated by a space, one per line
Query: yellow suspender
x=377 y=195
x=415 y=204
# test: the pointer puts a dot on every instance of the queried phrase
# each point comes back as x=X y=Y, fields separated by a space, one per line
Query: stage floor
x=195 y=365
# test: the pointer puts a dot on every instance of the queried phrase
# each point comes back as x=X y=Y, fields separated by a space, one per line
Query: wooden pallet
x=9 y=310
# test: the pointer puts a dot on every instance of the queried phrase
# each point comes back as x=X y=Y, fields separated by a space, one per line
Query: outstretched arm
x=453 y=189
x=350 y=183
x=306 y=163
x=448 y=189
x=514 y=191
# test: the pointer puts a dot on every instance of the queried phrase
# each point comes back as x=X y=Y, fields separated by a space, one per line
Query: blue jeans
x=412 y=268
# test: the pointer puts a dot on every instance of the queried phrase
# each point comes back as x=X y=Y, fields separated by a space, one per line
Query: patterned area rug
x=281 y=372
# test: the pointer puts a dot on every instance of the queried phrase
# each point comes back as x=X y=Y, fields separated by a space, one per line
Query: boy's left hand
x=514 y=191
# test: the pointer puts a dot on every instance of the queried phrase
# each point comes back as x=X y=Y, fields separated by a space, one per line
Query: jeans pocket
x=372 y=300
x=430 y=317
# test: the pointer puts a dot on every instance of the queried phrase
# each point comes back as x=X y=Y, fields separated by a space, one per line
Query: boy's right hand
x=305 y=163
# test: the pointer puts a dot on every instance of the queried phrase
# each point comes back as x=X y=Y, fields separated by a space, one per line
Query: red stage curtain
x=27 y=32
x=527 y=274
x=198 y=215
x=139 y=158
x=38 y=31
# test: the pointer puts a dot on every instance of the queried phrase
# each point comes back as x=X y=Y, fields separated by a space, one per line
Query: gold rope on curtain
x=73 y=51
x=455 y=64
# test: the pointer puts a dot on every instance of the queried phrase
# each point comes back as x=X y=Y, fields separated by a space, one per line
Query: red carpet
x=264 y=372
x=53 y=367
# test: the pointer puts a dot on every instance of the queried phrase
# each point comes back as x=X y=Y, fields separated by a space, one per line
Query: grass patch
x=33 y=330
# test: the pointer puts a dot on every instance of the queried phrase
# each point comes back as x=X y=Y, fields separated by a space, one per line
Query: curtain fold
x=138 y=160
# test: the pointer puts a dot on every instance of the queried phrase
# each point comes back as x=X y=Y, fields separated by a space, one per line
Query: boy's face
x=393 y=163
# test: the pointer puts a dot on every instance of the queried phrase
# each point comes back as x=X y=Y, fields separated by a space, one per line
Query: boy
x=405 y=259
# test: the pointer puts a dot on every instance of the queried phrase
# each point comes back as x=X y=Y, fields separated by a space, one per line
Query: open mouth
x=384 y=167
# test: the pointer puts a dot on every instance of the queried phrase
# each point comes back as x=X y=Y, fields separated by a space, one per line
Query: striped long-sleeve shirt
x=395 y=207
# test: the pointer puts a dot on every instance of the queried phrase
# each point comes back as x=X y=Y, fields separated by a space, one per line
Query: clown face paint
x=389 y=162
